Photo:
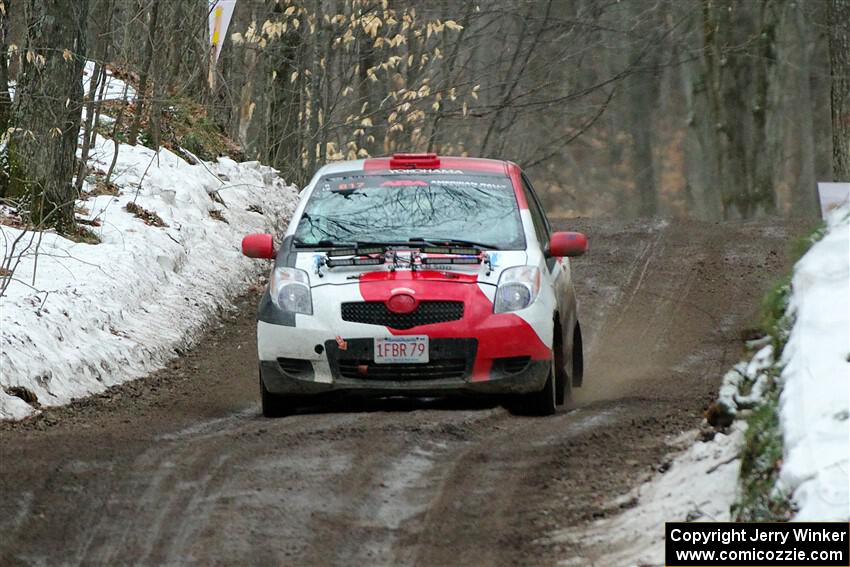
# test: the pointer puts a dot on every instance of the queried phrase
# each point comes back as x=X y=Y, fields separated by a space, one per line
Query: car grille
x=426 y=313
x=450 y=359
x=449 y=368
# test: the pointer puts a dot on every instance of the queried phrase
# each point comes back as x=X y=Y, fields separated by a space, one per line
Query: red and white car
x=419 y=275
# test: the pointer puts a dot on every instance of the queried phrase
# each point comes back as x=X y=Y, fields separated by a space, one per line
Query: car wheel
x=563 y=381
x=539 y=403
x=275 y=405
x=563 y=390
x=545 y=401
x=577 y=358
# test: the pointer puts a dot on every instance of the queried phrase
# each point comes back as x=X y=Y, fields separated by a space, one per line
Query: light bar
x=458 y=260
x=450 y=250
x=414 y=161
x=336 y=252
x=335 y=263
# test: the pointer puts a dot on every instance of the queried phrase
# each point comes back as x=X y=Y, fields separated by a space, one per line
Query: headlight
x=290 y=290
x=518 y=288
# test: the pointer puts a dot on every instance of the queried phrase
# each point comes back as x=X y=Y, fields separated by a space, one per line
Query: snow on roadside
x=100 y=314
x=702 y=482
x=700 y=485
x=815 y=400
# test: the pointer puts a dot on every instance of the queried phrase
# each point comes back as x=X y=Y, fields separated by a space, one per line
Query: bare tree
x=703 y=107
x=47 y=110
x=145 y=73
x=5 y=99
x=101 y=24
x=839 y=48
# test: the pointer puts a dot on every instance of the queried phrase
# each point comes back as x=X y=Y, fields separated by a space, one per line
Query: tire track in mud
x=493 y=464
x=173 y=489
x=179 y=468
x=634 y=279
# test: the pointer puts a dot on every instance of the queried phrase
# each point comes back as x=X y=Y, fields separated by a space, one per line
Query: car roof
x=428 y=161
x=421 y=163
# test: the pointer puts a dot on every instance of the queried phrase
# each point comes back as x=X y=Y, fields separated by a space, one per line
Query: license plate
x=401 y=350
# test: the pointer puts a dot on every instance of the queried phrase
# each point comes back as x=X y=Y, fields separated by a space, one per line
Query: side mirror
x=258 y=246
x=566 y=244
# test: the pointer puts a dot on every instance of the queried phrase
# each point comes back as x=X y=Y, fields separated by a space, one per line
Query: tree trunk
x=797 y=112
x=740 y=64
x=143 y=76
x=48 y=110
x=699 y=166
x=313 y=140
x=5 y=99
x=643 y=90
x=839 y=49
x=102 y=16
x=284 y=151
x=764 y=148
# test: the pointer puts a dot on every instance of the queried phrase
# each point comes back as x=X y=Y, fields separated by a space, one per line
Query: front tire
x=563 y=381
x=275 y=405
x=577 y=358
x=540 y=403
x=545 y=401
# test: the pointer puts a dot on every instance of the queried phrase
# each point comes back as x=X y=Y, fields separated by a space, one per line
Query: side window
x=541 y=225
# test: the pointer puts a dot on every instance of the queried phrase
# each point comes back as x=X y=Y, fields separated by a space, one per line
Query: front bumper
x=482 y=352
x=278 y=380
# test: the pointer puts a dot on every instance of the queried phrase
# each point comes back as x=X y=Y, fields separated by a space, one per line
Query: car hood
x=320 y=275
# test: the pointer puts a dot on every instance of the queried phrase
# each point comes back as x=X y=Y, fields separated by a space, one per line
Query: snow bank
x=753 y=373
x=636 y=537
x=84 y=317
x=815 y=400
x=113 y=87
x=814 y=412
x=699 y=486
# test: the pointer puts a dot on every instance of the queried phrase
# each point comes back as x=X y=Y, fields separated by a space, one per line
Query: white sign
x=219 y=19
x=832 y=196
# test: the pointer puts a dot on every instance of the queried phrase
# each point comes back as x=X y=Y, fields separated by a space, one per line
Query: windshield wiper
x=365 y=243
x=326 y=243
x=415 y=242
x=438 y=242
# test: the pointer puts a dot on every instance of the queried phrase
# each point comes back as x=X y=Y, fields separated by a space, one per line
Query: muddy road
x=180 y=468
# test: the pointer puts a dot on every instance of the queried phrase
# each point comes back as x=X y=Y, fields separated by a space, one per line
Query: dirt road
x=180 y=468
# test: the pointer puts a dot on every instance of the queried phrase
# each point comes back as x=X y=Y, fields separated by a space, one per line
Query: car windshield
x=396 y=207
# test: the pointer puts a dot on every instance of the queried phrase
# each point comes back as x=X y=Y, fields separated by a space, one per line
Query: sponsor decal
x=498 y=334
x=350 y=185
x=477 y=184
x=427 y=171
x=405 y=183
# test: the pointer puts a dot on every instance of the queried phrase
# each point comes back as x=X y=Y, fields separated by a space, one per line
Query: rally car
x=419 y=275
